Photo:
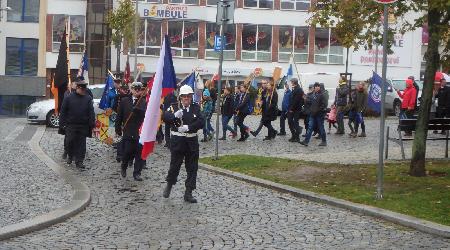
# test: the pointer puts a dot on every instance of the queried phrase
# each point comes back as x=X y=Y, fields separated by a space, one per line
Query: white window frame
x=257 y=5
x=224 y=51
x=256 y=46
x=145 y=46
x=295 y=4
x=184 y=2
x=68 y=33
x=182 y=40
x=293 y=46
x=328 y=52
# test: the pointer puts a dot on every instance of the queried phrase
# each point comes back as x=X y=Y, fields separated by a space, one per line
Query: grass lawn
x=422 y=197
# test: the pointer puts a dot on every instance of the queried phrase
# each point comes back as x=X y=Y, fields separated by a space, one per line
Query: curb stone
x=80 y=199
x=404 y=220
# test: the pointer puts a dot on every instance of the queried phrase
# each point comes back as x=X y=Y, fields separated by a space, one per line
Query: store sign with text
x=168 y=11
x=402 y=56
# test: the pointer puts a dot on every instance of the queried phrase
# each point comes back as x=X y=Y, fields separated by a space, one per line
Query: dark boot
x=69 y=160
x=188 y=196
x=123 y=171
x=79 y=165
x=167 y=190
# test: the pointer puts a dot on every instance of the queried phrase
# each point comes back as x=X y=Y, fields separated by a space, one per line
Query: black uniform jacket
x=228 y=105
x=296 y=101
x=243 y=102
x=77 y=111
x=136 y=114
x=270 y=108
x=195 y=121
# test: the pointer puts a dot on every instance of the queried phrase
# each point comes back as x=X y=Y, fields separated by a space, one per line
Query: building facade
x=264 y=35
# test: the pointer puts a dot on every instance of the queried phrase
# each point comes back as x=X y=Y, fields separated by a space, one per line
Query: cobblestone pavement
x=27 y=186
x=230 y=213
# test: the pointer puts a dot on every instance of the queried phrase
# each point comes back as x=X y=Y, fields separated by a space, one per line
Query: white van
x=330 y=80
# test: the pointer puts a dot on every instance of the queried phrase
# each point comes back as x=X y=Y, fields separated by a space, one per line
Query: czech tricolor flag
x=164 y=83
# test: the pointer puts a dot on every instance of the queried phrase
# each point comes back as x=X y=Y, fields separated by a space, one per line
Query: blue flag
x=105 y=102
x=374 y=99
x=191 y=82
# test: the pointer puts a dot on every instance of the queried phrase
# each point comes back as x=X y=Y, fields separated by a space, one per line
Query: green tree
x=357 y=23
x=122 y=20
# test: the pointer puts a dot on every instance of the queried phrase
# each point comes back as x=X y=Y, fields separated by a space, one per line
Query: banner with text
x=168 y=11
x=402 y=56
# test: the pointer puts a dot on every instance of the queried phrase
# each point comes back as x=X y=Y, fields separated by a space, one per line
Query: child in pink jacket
x=332 y=118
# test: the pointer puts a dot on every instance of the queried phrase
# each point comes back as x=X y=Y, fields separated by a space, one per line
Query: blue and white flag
x=83 y=69
x=374 y=100
x=105 y=102
x=191 y=81
x=290 y=70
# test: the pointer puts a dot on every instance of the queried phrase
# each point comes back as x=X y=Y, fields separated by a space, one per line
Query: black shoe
x=267 y=138
x=64 y=155
x=167 y=190
x=69 y=160
x=241 y=139
x=80 y=165
x=222 y=138
x=130 y=163
x=253 y=133
x=166 y=145
x=188 y=197
x=138 y=178
x=144 y=167
x=118 y=159
x=123 y=173
x=303 y=143
x=281 y=133
x=323 y=144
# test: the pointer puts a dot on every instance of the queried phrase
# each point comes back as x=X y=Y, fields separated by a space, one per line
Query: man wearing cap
x=317 y=105
x=77 y=119
x=184 y=121
x=130 y=116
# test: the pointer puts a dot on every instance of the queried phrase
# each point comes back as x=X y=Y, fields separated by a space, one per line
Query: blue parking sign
x=217 y=43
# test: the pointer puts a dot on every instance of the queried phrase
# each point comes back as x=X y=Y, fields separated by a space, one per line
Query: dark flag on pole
x=61 y=74
x=374 y=100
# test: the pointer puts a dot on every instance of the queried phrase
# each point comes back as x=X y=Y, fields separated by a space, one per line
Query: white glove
x=179 y=114
x=183 y=129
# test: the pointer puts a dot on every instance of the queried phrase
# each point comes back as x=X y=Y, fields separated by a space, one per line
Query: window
x=256 y=42
x=76 y=32
x=262 y=4
x=149 y=1
x=21 y=56
x=327 y=49
x=23 y=11
x=149 y=37
x=192 y=2
x=293 y=40
x=295 y=5
x=213 y=29
x=184 y=38
x=212 y=2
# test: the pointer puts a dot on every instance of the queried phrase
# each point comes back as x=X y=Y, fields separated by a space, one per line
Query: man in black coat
x=184 y=122
x=317 y=104
x=270 y=110
x=294 y=110
x=76 y=121
x=122 y=92
x=227 y=113
x=443 y=96
x=129 y=119
x=242 y=110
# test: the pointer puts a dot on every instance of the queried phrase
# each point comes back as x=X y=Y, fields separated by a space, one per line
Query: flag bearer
x=130 y=116
x=76 y=120
x=184 y=122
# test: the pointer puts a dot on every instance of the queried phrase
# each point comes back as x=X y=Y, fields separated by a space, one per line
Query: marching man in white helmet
x=184 y=122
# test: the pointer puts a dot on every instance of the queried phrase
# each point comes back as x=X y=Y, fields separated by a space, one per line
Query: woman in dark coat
x=270 y=110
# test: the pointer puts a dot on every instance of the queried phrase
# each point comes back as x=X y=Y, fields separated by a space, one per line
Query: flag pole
x=111 y=74
x=69 y=82
x=296 y=69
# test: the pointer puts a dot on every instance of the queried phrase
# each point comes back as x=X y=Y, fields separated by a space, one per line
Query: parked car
x=44 y=111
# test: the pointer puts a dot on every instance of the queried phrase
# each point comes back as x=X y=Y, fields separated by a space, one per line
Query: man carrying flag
x=83 y=69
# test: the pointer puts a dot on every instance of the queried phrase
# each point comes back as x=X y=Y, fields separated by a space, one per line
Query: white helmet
x=186 y=90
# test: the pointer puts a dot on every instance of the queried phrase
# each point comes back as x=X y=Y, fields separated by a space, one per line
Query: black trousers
x=132 y=150
x=283 y=118
x=76 y=143
x=66 y=148
x=271 y=132
x=120 y=149
x=240 y=122
x=187 y=150
x=294 y=126
x=167 y=133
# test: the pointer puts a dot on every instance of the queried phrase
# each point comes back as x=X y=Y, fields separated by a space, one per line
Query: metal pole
x=376 y=58
x=382 y=118
x=136 y=23
x=219 y=88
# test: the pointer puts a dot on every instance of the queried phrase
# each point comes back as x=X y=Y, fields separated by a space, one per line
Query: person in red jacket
x=408 y=102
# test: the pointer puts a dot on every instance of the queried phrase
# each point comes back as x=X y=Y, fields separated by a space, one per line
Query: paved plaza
x=125 y=214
